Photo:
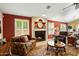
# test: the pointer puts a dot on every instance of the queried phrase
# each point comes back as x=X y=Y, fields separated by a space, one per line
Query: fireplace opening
x=40 y=35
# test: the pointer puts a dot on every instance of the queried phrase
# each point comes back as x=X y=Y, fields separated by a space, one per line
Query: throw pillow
x=26 y=38
x=22 y=39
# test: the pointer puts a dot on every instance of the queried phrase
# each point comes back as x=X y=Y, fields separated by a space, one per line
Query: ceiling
x=35 y=9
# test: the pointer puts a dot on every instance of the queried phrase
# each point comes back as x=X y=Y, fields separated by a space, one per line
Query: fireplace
x=40 y=35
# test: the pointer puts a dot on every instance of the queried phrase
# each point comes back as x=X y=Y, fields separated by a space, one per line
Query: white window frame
x=22 y=33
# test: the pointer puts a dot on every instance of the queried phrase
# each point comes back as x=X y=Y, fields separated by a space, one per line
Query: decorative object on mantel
x=40 y=24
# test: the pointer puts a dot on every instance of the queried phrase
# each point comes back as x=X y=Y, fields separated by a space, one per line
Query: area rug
x=41 y=50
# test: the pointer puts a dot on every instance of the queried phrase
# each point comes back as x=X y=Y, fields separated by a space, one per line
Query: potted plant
x=69 y=28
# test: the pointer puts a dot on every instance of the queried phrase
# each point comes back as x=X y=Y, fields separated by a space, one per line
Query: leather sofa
x=22 y=45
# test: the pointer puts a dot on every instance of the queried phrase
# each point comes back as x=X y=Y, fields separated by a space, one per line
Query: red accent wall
x=8 y=25
x=56 y=23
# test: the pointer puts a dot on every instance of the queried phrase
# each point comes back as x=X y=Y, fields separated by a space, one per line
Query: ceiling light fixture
x=43 y=15
x=45 y=11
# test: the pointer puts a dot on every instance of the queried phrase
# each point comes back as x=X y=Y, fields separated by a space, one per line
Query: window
x=21 y=27
x=50 y=28
x=18 y=24
x=63 y=27
x=77 y=27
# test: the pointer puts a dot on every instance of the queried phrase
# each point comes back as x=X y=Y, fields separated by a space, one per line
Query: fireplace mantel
x=35 y=26
x=39 y=29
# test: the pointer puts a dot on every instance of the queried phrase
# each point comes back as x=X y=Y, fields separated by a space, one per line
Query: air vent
x=48 y=7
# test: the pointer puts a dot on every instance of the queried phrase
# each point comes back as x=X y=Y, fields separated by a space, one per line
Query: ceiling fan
x=74 y=4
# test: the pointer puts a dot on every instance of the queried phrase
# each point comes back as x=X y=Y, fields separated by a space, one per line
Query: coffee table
x=51 y=43
x=52 y=47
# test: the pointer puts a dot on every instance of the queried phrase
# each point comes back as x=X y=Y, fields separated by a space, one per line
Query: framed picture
x=0 y=27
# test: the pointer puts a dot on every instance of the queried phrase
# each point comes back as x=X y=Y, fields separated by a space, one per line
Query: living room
x=34 y=31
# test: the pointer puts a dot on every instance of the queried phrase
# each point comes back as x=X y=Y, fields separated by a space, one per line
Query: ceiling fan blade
x=77 y=5
x=68 y=6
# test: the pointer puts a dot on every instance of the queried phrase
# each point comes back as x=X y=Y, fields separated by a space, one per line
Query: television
x=64 y=33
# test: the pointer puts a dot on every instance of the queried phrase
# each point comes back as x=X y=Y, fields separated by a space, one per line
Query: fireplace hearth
x=40 y=35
